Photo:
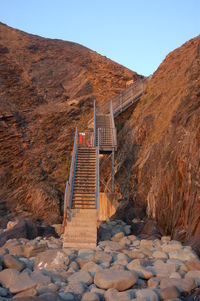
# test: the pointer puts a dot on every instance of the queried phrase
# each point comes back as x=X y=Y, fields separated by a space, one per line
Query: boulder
x=81 y=276
x=183 y=285
x=89 y=296
x=12 y=262
x=22 y=282
x=169 y=292
x=74 y=287
x=149 y=294
x=51 y=260
x=112 y=245
x=24 y=228
x=113 y=295
x=194 y=275
x=119 y=279
x=101 y=257
x=27 y=293
x=91 y=267
x=8 y=276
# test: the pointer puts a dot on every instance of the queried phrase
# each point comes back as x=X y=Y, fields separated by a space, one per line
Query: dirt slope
x=159 y=155
x=47 y=88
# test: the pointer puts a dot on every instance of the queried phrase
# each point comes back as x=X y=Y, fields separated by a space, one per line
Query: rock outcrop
x=158 y=157
x=47 y=89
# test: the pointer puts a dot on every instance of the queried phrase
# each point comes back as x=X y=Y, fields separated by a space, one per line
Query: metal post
x=113 y=170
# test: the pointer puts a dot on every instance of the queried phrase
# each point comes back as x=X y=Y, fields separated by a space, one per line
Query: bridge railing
x=70 y=183
x=114 y=133
x=122 y=100
x=103 y=136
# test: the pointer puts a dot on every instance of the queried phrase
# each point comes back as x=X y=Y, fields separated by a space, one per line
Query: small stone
x=124 y=242
x=121 y=280
x=183 y=254
x=175 y=275
x=153 y=282
x=101 y=257
x=81 y=276
x=127 y=229
x=146 y=243
x=113 y=295
x=40 y=279
x=193 y=265
x=169 y=292
x=165 y=239
x=8 y=276
x=66 y=296
x=90 y=296
x=91 y=267
x=117 y=236
x=135 y=254
x=149 y=294
x=3 y=292
x=28 y=293
x=112 y=245
x=172 y=246
x=75 y=287
x=122 y=259
x=23 y=283
x=99 y=291
x=142 y=272
x=160 y=255
x=11 y=262
x=184 y=285
x=132 y=238
x=194 y=275
x=116 y=229
x=34 y=249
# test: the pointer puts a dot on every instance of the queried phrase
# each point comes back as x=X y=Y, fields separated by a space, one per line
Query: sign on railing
x=86 y=139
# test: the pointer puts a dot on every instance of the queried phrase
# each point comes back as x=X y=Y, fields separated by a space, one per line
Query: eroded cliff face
x=47 y=88
x=159 y=153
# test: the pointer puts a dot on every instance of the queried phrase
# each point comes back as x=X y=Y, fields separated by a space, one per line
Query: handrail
x=70 y=182
x=94 y=123
x=97 y=174
x=114 y=136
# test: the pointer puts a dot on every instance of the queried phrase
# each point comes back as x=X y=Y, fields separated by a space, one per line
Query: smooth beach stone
x=121 y=280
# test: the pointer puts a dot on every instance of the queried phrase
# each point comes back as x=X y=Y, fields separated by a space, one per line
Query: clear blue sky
x=137 y=34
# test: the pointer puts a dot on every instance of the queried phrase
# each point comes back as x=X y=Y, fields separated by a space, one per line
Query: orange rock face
x=159 y=155
x=47 y=88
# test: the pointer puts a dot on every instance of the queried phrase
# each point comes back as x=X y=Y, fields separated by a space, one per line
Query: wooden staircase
x=85 y=179
x=82 y=188
x=81 y=226
x=81 y=229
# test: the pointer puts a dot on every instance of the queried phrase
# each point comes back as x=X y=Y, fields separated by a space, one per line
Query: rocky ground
x=122 y=267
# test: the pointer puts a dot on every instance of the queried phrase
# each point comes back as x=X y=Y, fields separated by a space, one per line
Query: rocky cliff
x=159 y=155
x=47 y=88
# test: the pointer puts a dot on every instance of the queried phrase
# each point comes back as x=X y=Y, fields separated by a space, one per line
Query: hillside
x=47 y=88
x=158 y=159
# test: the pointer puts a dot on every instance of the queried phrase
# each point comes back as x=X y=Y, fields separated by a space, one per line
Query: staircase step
x=79 y=245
